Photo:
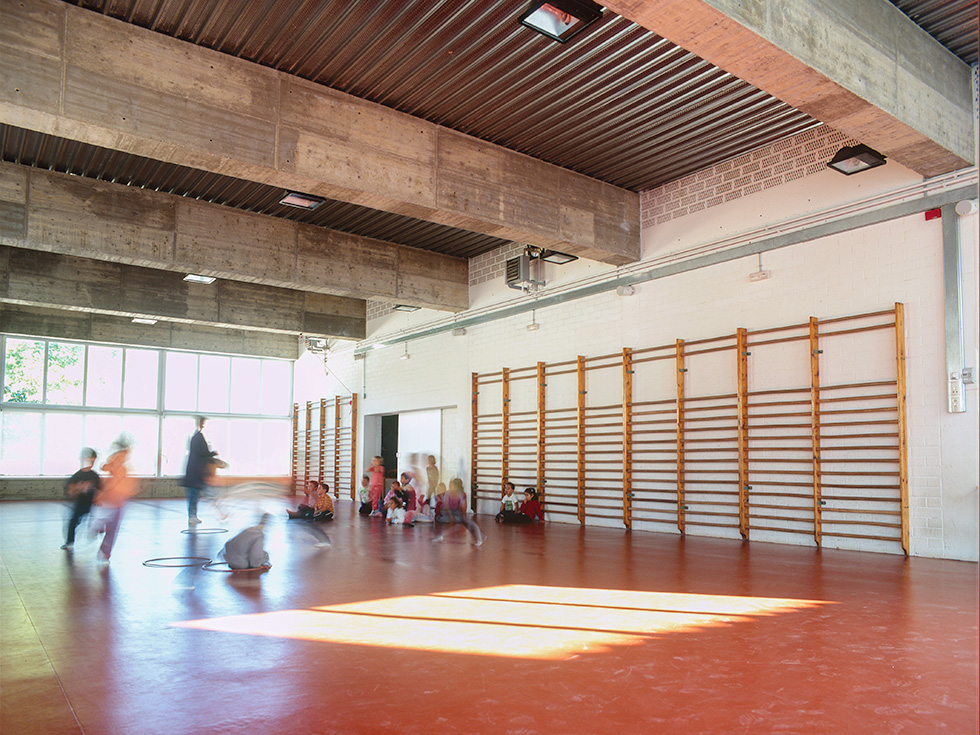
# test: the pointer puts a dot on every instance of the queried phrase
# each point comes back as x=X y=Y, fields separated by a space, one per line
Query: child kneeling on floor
x=246 y=550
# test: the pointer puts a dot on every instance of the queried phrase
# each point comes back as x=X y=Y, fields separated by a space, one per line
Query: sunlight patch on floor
x=520 y=621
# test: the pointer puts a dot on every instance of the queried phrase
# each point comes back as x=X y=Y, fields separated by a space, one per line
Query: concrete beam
x=86 y=77
x=70 y=215
x=77 y=325
x=35 y=278
x=861 y=66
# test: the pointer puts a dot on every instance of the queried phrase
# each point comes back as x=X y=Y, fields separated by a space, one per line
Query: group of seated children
x=530 y=509
x=404 y=502
x=318 y=505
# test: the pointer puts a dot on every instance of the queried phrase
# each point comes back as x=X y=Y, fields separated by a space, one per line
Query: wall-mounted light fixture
x=301 y=201
x=533 y=326
x=143 y=320
x=405 y=307
x=626 y=290
x=553 y=256
x=197 y=278
x=405 y=354
x=854 y=159
x=561 y=20
x=966 y=207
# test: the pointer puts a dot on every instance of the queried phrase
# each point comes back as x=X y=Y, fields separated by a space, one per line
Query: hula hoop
x=195 y=561
x=212 y=566
x=204 y=530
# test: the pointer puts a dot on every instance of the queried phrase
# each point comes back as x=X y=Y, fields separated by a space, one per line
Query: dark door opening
x=389 y=445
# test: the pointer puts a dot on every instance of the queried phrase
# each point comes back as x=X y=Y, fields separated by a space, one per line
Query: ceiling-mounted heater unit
x=518 y=273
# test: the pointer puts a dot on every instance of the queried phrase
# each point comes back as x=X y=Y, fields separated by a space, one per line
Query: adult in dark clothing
x=81 y=488
x=200 y=461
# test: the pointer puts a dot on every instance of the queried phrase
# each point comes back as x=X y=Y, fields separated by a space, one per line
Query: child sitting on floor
x=305 y=509
x=508 y=505
x=323 y=508
x=364 y=495
x=396 y=514
x=531 y=509
x=320 y=507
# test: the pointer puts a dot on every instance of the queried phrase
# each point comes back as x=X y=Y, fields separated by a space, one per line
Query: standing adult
x=200 y=459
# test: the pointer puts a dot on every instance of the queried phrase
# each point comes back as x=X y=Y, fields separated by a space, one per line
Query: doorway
x=389 y=445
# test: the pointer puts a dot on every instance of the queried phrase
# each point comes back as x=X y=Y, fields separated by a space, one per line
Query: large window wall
x=60 y=396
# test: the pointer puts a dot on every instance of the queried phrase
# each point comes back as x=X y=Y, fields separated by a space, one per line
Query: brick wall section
x=377 y=309
x=780 y=163
x=490 y=266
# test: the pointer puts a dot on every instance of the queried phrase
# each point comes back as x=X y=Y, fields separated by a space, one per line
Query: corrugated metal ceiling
x=620 y=103
x=954 y=23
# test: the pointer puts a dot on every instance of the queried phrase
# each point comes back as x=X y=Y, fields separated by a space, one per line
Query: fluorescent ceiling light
x=143 y=320
x=197 y=278
x=302 y=201
x=405 y=307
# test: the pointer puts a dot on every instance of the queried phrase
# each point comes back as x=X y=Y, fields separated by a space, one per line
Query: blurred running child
x=116 y=491
x=81 y=488
x=454 y=511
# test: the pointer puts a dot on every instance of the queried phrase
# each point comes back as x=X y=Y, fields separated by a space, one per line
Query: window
x=181 y=382
x=23 y=371
x=213 y=384
x=104 y=377
x=141 y=378
x=66 y=374
x=59 y=397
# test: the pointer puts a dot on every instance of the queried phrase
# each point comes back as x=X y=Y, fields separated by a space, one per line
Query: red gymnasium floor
x=542 y=630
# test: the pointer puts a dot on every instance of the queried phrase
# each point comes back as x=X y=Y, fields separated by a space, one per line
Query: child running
x=81 y=489
x=454 y=511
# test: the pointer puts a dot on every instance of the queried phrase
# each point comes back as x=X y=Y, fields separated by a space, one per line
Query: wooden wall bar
x=779 y=449
x=743 y=433
x=322 y=444
x=815 y=426
x=627 y=467
x=331 y=436
x=681 y=499
x=903 y=459
x=352 y=454
x=580 y=440
x=539 y=479
x=295 y=454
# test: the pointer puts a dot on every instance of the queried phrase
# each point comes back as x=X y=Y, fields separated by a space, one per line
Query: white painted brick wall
x=845 y=274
